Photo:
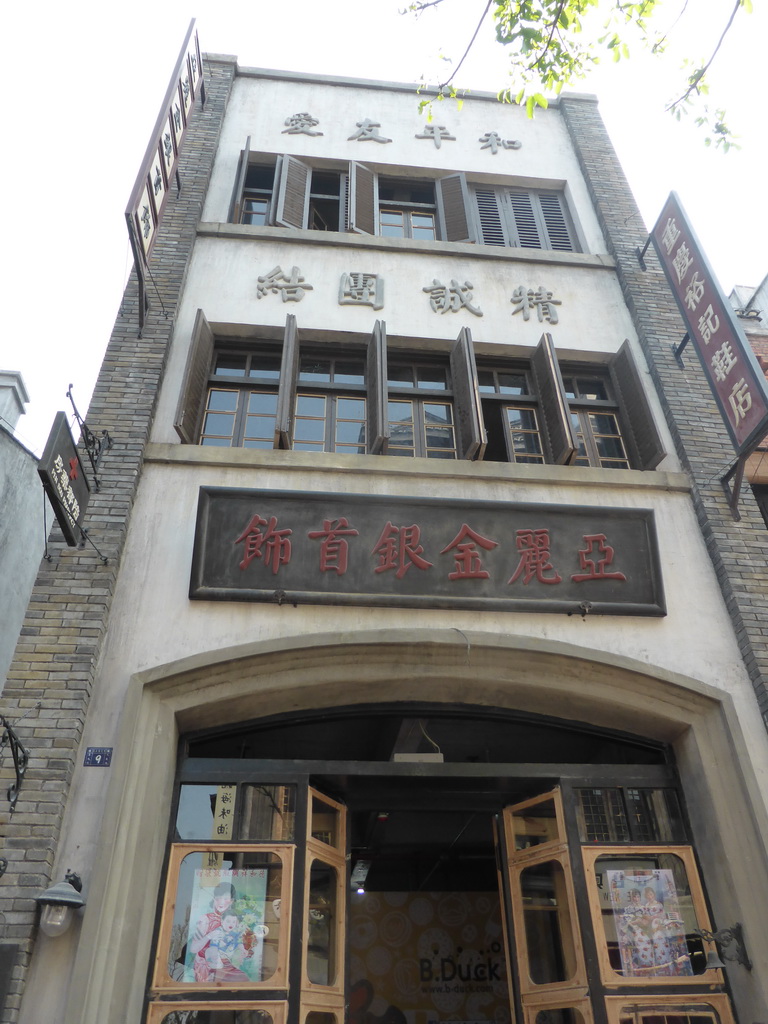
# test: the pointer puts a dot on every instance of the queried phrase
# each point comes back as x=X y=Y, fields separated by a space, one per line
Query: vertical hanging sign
x=737 y=382
x=153 y=182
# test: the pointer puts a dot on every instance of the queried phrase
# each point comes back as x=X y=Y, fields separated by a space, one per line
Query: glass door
x=548 y=969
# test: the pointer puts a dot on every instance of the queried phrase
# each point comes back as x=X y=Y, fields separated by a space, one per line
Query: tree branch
x=555 y=20
x=697 y=77
x=471 y=43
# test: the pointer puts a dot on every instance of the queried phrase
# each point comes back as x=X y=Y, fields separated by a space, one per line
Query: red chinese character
x=594 y=568
x=73 y=469
x=533 y=546
x=272 y=544
x=334 y=550
x=467 y=557
x=398 y=548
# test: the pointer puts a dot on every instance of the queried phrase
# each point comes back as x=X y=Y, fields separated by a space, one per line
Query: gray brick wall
x=738 y=549
x=56 y=656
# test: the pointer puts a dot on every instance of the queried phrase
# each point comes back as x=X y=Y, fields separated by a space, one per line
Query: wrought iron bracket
x=94 y=446
x=20 y=756
x=725 y=937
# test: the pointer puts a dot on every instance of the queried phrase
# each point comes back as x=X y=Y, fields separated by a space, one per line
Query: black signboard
x=63 y=478
x=732 y=371
x=307 y=547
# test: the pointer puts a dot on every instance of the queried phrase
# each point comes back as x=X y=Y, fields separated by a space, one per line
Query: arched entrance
x=415 y=863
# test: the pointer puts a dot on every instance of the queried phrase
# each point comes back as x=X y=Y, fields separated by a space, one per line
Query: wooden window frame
x=161 y=981
x=156 y=1011
x=609 y=977
x=717 y=1001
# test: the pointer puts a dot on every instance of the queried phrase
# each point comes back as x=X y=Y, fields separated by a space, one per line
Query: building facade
x=425 y=678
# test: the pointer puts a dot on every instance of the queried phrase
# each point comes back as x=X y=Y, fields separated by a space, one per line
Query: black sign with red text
x=737 y=382
x=305 y=547
x=153 y=182
x=63 y=478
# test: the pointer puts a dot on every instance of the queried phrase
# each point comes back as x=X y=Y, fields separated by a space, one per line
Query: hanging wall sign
x=159 y=165
x=64 y=480
x=305 y=547
x=737 y=382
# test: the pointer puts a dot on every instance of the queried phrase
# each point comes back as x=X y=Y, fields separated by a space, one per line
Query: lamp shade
x=57 y=907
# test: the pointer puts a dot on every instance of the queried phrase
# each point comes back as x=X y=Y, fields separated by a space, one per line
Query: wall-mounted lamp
x=723 y=938
x=59 y=903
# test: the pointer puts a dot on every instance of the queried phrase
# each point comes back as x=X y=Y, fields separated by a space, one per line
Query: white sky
x=84 y=82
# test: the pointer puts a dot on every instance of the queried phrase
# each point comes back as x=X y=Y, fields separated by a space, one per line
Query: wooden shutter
x=454 y=210
x=236 y=204
x=363 y=200
x=292 y=190
x=637 y=419
x=553 y=212
x=466 y=399
x=195 y=384
x=553 y=403
x=376 y=381
x=525 y=221
x=286 y=393
x=492 y=230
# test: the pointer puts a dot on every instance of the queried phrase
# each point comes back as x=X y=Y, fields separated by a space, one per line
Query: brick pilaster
x=58 y=650
x=739 y=550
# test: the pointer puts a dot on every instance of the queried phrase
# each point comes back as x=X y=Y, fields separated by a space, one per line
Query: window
x=510 y=416
x=290 y=193
x=420 y=411
x=365 y=400
x=407 y=209
x=527 y=218
x=595 y=423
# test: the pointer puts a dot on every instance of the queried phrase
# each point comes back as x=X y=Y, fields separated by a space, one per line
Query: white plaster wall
x=259 y=109
x=153 y=622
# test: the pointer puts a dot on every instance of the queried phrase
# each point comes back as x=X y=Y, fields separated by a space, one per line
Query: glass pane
x=591 y=388
x=312 y=369
x=259 y=430
x=319 y=1017
x=217 y=442
x=392 y=223
x=203 y=810
x=311 y=405
x=524 y=433
x=350 y=408
x=656 y=815
x=268 y=813
x=218 y=424
x=255 y=211
x=561 y=1015
x=400 y=416
x=265 y=366
x=323 y=916
x=535 y=824
x=219 y=401
x=349 y=371
x=486 y=381
x=548 y=933
x=513 y=384
x=423 y=225
x=226 y=925
x=186 y=1016
x=665 y=1012
x=437 y=415
x=325 y=822
x=648 y=916
x=262 y=403
x=601 y=816
x=432 y=378
x=228 y=365
x=400 y=376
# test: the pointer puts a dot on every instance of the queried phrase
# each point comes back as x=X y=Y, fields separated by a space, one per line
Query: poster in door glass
x=225 y=941
x=649 y=925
